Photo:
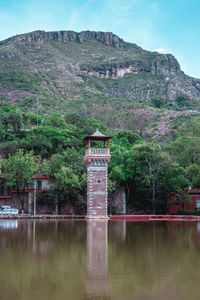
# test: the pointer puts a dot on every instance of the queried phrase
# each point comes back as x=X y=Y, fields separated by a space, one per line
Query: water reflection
x=198 y=226
x=96 y=278
x=99 y=260
x=8 y=224
x=97 y=282
x=118 y=231
x=158 y=260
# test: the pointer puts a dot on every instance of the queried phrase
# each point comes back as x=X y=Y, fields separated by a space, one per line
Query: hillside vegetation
x=57 y=87
x=147 y=171
x=96 y=74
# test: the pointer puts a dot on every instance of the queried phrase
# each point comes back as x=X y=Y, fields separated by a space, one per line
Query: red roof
x=97 y=136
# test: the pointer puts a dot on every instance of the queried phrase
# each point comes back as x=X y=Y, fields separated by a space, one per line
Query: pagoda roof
x=97 y=136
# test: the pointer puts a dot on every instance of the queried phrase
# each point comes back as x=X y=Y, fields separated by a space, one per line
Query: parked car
x=8 y=210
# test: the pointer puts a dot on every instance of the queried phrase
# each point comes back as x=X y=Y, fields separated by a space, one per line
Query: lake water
x=55 y=260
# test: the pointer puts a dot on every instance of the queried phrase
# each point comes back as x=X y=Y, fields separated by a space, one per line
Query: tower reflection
x=97 y=278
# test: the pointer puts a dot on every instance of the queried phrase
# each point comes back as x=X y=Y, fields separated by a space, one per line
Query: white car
x=8 y=210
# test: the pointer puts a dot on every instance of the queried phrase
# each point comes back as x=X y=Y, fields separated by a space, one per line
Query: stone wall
x=14 y=202
x=43 y=207
x=118 y=202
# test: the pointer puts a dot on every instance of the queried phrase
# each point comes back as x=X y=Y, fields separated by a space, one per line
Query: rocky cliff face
x=37 y=38
x=71 y=65
x=163 y=65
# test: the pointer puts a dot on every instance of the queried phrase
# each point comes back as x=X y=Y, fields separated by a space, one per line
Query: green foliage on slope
x=148 y=171
x=89 y=76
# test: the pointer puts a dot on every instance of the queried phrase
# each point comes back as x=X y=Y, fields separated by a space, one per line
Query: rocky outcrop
x=59 y=61
x=111 y=71
x=165 y=65
x=39 y=37
x=8 y=55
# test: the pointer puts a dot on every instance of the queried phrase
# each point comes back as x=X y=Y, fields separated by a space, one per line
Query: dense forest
x=148 y=170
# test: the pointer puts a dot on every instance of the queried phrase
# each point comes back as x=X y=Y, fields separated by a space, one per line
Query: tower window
x=99 y=181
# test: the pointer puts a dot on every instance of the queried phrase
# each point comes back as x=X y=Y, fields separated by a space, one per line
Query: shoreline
x=155 y=218
x=111 y=217
x=40 y=216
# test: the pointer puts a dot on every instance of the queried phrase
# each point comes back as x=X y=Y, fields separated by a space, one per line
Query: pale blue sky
x=173 y=26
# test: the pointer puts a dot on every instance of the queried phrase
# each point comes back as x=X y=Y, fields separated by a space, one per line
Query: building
x=97 y=159
x=193 y=203
x=39 y=184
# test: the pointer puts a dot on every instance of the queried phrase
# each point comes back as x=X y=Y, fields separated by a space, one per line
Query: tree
x=182 y=100
x=66 y=179
x=69 y=172
x=157 y=101
x=120 y=172
x=15 y=120
x=193 y=174
x=173 y=179
x=185 y=150
x=148 y=162
x=126 y=138
x=57 y=121
x=19 y=169
x=2 y=131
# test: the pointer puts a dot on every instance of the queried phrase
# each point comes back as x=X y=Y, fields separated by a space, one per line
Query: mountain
x=93 y=73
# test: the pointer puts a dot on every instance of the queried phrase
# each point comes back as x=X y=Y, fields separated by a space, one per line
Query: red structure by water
x=192 y=204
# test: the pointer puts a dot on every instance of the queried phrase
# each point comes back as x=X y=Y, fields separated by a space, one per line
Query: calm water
x=55 y=260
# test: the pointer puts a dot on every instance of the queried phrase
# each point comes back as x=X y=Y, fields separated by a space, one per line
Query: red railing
x=153 y=217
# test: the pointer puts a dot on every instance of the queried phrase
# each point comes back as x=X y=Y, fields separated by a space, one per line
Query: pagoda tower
x=97 y=160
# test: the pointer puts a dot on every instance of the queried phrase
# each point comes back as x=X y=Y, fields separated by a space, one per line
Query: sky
x=166 y=26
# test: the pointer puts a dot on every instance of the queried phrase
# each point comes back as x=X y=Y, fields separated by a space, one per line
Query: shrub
x=187 y=212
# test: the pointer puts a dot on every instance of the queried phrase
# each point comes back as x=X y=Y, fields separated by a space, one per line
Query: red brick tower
x=97 y=160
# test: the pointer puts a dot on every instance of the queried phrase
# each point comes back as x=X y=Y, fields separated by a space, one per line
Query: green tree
x=193 y=174
x=174 y=179
x=66 y=179
x=19 y=169
x=148 y=163
x=69 y=172
x=157 y=101
x=57 y=121
x=15 y=120
x=182 y=100
x=185 y=150
x=120 y=172
x=2 y=132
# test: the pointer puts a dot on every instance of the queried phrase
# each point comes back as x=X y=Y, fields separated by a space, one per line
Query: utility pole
x=37 y=109
x=34 y=197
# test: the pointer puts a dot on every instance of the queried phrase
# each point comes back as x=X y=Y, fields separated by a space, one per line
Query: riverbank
x=112 y=217
x=154 y=218
x=41 y=216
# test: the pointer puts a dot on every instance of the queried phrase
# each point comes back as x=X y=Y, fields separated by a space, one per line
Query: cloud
x=159 y=50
